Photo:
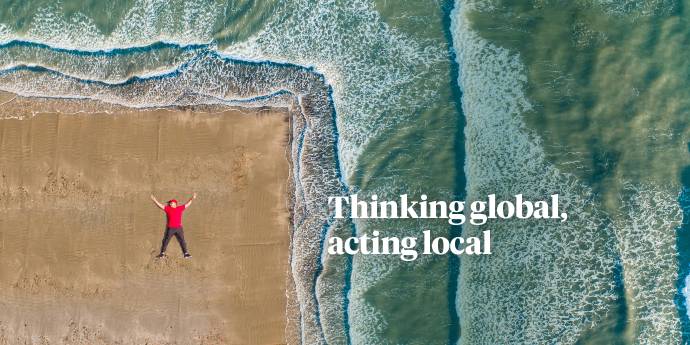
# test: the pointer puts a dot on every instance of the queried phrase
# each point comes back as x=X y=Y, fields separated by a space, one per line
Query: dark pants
x=179 y=235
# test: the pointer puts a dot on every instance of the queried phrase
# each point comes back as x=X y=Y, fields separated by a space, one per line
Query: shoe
x=161 y=255
x=187 y=256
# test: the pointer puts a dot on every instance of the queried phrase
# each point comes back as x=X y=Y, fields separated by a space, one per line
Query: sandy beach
x=79 y=234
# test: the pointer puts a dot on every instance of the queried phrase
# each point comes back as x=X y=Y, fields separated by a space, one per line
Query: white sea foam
x=146 y=22
x=101 y=67
x=537 y=287
x=211 y=79
x=317 y=34
x=633 y=8
x=373 y=69
x=686 y=294
x=646 y=240
x=370 y=95
x=552 y=282
x=338 y=39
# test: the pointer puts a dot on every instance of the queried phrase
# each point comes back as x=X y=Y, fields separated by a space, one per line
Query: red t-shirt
x=174 y=215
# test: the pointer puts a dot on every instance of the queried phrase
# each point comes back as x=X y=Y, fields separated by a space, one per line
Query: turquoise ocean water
x=454 y=99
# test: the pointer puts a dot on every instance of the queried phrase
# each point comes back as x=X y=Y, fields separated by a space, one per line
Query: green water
x=607 y=84
x=391 y=70
x=587 y=99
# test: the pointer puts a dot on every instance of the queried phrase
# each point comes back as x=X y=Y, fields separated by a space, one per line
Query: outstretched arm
x=190 y=200
x=157 y=203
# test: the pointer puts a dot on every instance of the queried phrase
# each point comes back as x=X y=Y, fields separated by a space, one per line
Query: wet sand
x=79 y=234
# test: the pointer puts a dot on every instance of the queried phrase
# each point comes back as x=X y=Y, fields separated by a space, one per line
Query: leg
x=179 y=235
x=166 y=239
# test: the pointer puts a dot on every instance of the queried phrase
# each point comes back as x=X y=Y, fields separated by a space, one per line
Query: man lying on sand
x=173 y=226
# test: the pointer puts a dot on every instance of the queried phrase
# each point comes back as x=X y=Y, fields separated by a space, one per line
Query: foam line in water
x=552 y=282
x=215 y=80
x=372 y=93
x=110 y=51
x=523 y=292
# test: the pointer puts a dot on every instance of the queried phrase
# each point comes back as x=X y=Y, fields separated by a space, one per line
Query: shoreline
x=317 y=307
x=54 y=193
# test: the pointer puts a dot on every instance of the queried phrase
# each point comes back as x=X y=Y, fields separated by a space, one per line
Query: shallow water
x=584 y=98
x=597 y=92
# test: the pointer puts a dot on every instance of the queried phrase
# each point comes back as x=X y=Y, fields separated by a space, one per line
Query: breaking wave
x=559 y=282
x=166 y=53
x=210 y=79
